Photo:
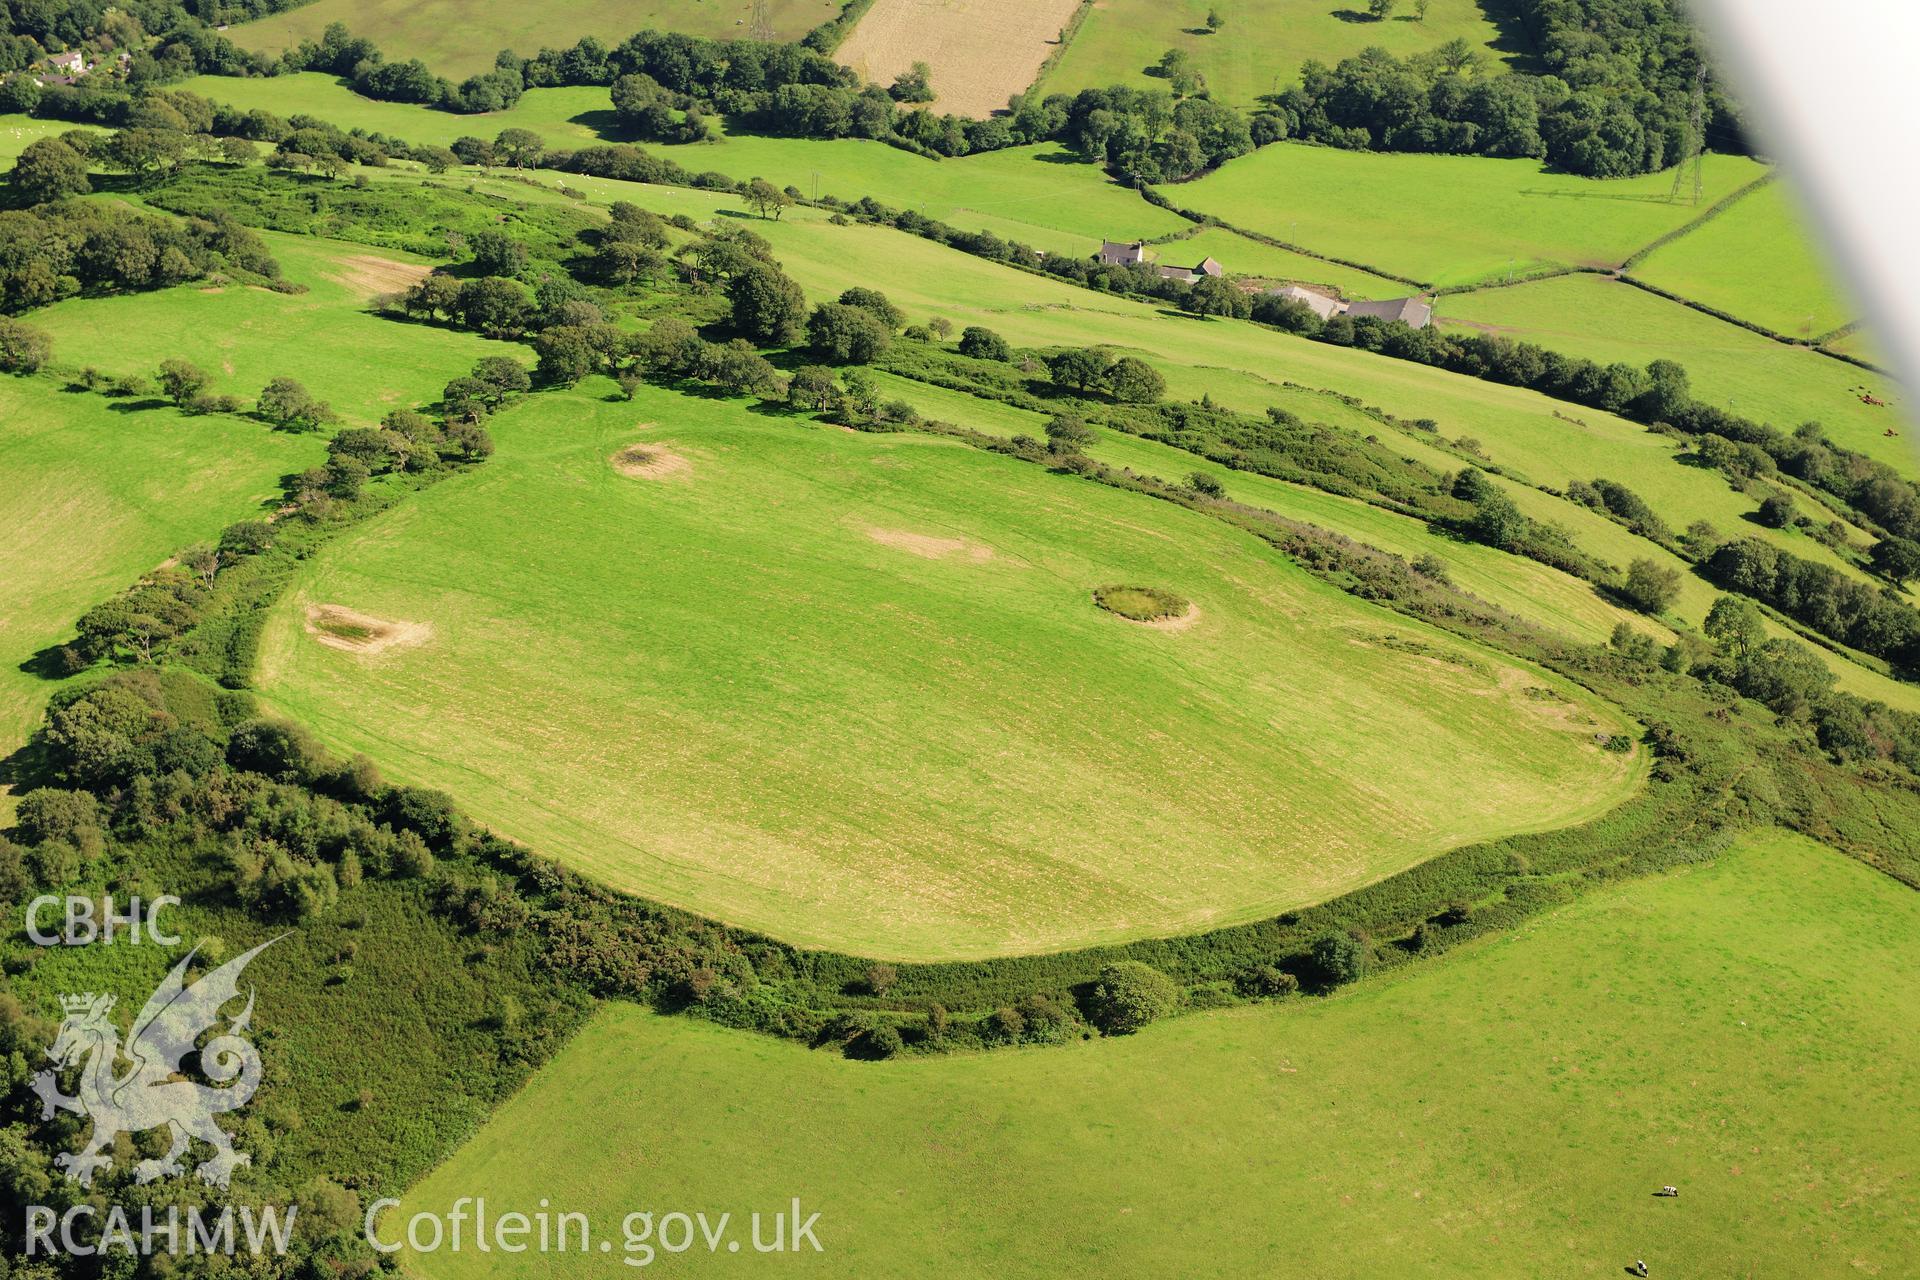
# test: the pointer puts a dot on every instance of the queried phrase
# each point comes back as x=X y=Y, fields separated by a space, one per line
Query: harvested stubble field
x=982 y=51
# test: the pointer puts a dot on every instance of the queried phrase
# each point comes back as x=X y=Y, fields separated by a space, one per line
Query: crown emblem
x=85 y=1004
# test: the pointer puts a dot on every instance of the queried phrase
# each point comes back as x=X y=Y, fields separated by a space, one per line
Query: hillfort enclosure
x=920 y=636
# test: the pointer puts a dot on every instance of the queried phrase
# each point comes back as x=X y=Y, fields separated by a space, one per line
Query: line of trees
x=68 y=247
x=1822 y=597
x=1658 y=394
x=1617 y=101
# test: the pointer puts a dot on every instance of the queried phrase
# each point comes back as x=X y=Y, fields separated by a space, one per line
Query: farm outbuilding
x=1411 y=311
x=1417 y=313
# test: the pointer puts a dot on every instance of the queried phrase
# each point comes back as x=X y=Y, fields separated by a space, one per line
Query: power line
x=1694 y=156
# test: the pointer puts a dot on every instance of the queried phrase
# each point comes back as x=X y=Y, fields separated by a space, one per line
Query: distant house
x=1318 y=303
x=1414 y=312
x=1114 y=253
x=1187 y=275
x=73 y=64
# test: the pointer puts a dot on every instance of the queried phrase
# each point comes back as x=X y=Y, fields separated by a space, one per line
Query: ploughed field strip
x=982 y=51
x=927 y=662
x=857 y=692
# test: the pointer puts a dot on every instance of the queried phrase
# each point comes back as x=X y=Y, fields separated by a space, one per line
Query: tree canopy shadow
x=605 y=124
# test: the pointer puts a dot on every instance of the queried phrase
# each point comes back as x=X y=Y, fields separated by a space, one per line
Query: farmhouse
x=1411 y=311
x=1318 y=303
x=1414 y=312
x=1187 y=275
x=1133 y=253
x=73 y=63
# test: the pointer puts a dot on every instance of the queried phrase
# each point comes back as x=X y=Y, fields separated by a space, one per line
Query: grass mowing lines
x=364 y=365
x=1758 y=261
x=868 y=701
x=1241 y=365
x=1738 y=1029
x=96 y=494
x=458 y=40
x=1525 y=588
x=1448 y=220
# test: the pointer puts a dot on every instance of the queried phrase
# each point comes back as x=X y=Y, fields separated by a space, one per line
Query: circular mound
x=339 y=627
x=649 y=462
x=1142 y=604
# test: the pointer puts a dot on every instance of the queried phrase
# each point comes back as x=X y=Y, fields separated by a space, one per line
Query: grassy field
x=1241 y=365
x=1262 y=46
x=94 y=497
x=874 y=704
x=1039 y=195
x=458 y=40
x=1250 y=368
x=1760 y=261
x=244 y=336
x=1546 y=597
x=1244 y=256
x=17 y=132
x=1448 y=220
x=1602 y=319
x=1860 y=345
x=1042 y=195
x=1739 y=1030
x=569 y=117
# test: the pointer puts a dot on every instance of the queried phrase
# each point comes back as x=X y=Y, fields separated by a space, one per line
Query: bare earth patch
x=982 y=51
x=650 y=462
x=339 y=627
x=930 y=547
x=1179 y=623
x=368 y=274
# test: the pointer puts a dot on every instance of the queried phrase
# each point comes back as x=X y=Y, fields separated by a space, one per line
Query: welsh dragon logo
x=150 y=1091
